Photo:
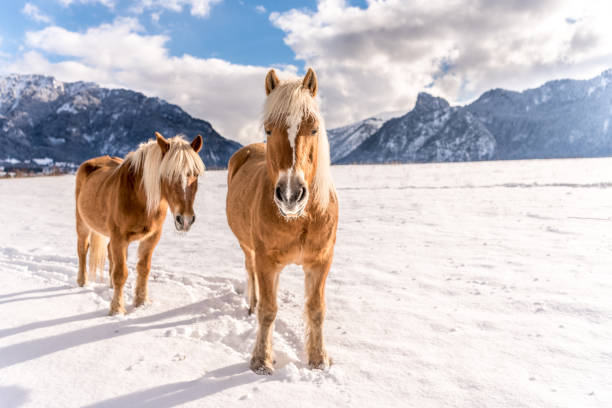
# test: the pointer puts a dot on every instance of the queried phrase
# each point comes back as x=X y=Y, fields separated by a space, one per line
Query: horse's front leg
x=145 y=252
x=267 y=278
x=315 y=277
x=118 y=247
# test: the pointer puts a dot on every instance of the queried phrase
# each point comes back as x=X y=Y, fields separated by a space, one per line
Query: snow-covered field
x=468 y=285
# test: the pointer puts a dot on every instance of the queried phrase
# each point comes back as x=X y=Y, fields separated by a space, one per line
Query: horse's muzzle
x=291 y=193
x=291 y=207
x=183 y=222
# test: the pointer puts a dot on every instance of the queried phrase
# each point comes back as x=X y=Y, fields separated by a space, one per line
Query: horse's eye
x=268 y=132
x=314 y=131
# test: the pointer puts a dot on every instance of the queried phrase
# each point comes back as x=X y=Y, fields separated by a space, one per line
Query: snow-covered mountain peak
x=15 y=87
x=70 y=122
x=561 y=118
x=345 y=139
x=429 y=102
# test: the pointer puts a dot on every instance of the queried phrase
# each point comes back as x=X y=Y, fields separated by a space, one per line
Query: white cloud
x=379 y=58
x=230 y=96
x=367 y=61
x=260 y=9
x=108 y=3
x=198 y=8
x=33 y=12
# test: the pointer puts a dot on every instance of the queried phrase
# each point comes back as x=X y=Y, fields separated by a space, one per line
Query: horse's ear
x=271 y=81
x=310 y=82
x=164 y=144
x=196 y=144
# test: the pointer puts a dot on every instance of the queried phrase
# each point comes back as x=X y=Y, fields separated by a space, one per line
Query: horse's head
x=297 y=146
x=179 y=171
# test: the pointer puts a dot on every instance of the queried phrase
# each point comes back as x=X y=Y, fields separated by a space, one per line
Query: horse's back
x=253 y=154
x=91 y=165
x=92 y=168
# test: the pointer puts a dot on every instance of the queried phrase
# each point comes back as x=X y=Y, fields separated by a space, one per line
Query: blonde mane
x=288 y=104
x=179 y=162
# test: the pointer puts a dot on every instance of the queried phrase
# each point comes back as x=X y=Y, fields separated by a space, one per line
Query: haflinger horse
x=282 y=207
x=127 y=200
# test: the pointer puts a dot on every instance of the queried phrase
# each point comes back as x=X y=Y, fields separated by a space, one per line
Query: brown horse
x=282 y=207
x=127 y=201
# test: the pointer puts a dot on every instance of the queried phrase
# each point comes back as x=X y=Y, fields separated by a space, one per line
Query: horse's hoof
x=250 y=312
x=81 y=282
x=261 y=367
x=139 y=302
x=321 y=363
x=117 y=310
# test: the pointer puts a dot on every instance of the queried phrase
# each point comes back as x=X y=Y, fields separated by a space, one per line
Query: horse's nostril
x=278 y=193
x=302 y=193
x=192 y=220
x=179 y=219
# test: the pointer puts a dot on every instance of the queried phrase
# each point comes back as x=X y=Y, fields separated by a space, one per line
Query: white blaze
x=293 y=123
x=184 y=183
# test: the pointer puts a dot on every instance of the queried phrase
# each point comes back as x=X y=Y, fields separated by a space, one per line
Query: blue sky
x=235 y=30
x=238 y=31
x=371 y=56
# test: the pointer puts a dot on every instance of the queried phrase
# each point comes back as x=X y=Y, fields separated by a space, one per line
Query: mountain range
x=562 y=118
x=46 y=121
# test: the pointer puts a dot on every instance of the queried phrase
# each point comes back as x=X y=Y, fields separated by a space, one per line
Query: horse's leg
x=118 y=246
x=110 y=265
x=315 y=277
x=145 y=252
x=82 y=247
x=249 y=263
x=267 y=279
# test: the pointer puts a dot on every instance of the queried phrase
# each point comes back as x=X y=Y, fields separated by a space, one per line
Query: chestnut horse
x=282 y=207
x=127 y=201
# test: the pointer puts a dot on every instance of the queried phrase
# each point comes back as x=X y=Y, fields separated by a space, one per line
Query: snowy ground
x=469 y=285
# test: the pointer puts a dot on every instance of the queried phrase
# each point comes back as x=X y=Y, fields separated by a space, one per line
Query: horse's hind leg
x=82 y=247
x=110 y=264
x=145 y=252
x=315 y=277
x=249 y=263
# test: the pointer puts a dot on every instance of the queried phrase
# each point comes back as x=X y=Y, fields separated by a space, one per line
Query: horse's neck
x=130 y=186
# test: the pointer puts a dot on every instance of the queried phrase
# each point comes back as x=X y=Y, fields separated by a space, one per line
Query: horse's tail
x=97 y=254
